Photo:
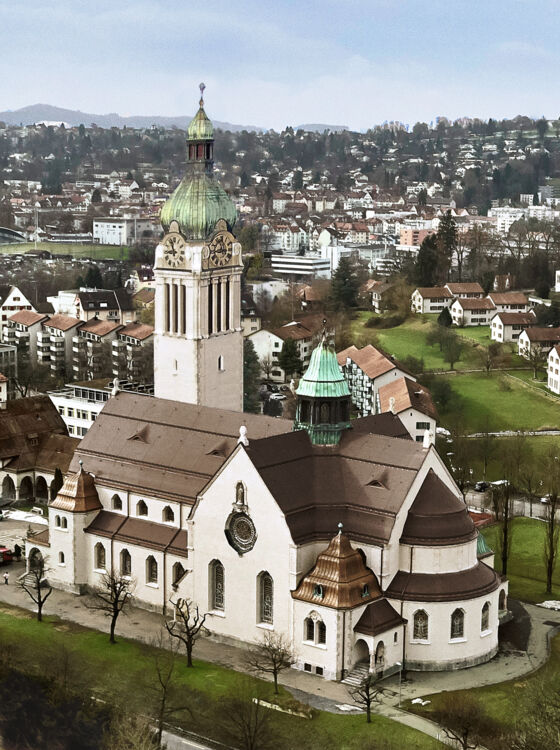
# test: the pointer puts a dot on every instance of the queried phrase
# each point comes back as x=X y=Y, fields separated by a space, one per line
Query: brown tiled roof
x=3 y=378
x=369 y=359
x=56 y=452
x=431 y=292
x=41 y=537
x=381 y=424
x=508 y=298
x=437 y=516
x=468 y=303
x=27 y=317
x=341 y=577
x=63 y=322
x=444 y=587
x=77 y=494
x=470 y=287
x=145 y=296
x=543 y=335
x=25 y=424
x=142 y=533
x=407 y=395
x=100 y=327
x=181 y=446
x=138 y=331
x=516 y=318
x=362 y=482
x=377 y=618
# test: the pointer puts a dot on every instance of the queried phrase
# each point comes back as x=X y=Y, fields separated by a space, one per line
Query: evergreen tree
x=344 y=288
x=251 y=378
x=447 y=243
x=93 y=277
x=289 y=359
x=444 y=318
x=424 y=269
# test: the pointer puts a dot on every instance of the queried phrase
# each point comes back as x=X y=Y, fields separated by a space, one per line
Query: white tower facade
x=198 y=339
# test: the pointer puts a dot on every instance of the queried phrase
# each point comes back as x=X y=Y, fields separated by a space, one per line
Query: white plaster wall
x=272 y=553
x=318 y=655
x=447 y=559
x=410 y=417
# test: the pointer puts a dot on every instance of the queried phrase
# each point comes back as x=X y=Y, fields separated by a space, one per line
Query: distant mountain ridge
x=320 y=128
x=47 y=112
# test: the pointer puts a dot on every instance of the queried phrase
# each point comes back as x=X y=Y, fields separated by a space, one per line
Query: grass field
x=125 y=673
x=96 y=252
x=526 y=571
x=485 y=402
x=538 y=447
x=502 y=702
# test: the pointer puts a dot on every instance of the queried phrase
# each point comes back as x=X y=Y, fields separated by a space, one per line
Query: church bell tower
x=198 y=340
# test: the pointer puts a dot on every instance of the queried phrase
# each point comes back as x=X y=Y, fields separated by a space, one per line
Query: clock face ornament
x=174 y=250
x=221 y=250
x=240 y=532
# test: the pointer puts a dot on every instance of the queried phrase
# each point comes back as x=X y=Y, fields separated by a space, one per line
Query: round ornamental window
x=241 y=532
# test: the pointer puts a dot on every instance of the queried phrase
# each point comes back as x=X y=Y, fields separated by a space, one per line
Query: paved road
x=174 y=742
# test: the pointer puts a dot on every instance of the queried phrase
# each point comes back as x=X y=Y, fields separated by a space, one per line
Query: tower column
x=223 y=292
x=215 y=291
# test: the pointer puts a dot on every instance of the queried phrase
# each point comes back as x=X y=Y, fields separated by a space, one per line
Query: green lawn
x=97 y=252
x=480 y=334
x=499 y=702
x=526 y=571
x=538 y=446
x=485 y=400
x=123 y=673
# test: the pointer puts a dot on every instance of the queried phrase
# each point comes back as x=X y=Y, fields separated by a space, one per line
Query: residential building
x=54 y=342
x=553 y=369
x=472 y=312
x=9 y=367
x=509 y=301
x=430 y=299
x=377 y=291
x=366 y=370
x=412 y=236
x=114 y=305
x=21 y=330
x=508 y=326
x=92 y=349
x=133 y=353
x=250 y=319
x=116 y=230
x=542 y=339
x=12 y=300
x=299 y=267
x=465 y=290
x=414 y=406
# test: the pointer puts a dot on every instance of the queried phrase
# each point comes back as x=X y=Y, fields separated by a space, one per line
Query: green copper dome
x=196 y=205
x=323 y=378
x=199 y=201
x=200 y=128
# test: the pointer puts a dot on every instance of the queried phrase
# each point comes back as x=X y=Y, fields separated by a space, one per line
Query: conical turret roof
x=78 y=493
x=323 y=378
x=200 y=127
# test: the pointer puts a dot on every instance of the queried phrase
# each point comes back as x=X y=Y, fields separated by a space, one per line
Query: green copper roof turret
x=199 y=201
x=323 y=377
x=482 y=547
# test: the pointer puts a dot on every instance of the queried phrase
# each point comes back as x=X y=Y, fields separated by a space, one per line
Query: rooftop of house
x=407 y=394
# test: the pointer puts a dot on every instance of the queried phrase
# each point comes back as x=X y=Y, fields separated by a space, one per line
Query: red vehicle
x=6 y=556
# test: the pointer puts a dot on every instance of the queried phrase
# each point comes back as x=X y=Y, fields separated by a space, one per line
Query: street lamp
x=399 y=665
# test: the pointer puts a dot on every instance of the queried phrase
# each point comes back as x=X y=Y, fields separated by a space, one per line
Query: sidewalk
x=141 y=625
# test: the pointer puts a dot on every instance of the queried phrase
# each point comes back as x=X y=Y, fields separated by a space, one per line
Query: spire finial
x=201 y=86
x=324 y=331
x=81 y=465
x=340 y=527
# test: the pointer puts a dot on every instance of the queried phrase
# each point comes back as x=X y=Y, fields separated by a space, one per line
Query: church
x=346 y=536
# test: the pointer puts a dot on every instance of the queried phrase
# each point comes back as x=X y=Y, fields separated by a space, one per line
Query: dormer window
x=318 y=591
x=365 y=590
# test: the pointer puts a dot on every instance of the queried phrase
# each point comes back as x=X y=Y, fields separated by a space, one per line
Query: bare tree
x=536 y=358
x=272 y=655
x=187 y=626
x=267 y=365
x=538 y=715
x=112 y=596
x=490 y=356
x=551 y=473
x=35 y=584
x=128 y=732
x=461 y=718
x=367 y=693
x=246 y=720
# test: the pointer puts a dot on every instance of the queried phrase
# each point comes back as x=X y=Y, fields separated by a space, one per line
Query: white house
x=509 y=301
x=508 y=326
x=117 y=230
x=12 y=301
x=465 y=289
x=553 y=369
x=430 y=299
x=21 y=329
x=413 y=404
x=472 y=312
x=537 y=338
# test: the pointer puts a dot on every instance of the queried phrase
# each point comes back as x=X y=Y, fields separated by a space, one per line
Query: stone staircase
x=357 y=675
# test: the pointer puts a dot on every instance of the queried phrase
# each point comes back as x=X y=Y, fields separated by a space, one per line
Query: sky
x=274 y=63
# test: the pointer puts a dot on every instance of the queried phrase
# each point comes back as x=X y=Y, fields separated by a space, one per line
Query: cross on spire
x=201 y=86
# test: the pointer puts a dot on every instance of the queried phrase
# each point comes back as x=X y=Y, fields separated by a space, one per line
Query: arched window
x=126 y=563
x=420 y=629
x=485 y=617
x=99 y=551
x=151 y=570
x=217 y=585
x=168 y=514
x=309 y=629
x=61 y=558
x=64 y=522
x=177 y=573
x=321 y=632
x=57 y=520
x=380 y=655
x=141 y=508
x=502 y=602
x=457 y=624
x=266 y=598
x=221 y=363
x=116 y=502
x=325 y=413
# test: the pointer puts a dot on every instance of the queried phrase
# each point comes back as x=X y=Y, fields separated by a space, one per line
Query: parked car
x=6 y=556
x=277 y=397
x=482 y=486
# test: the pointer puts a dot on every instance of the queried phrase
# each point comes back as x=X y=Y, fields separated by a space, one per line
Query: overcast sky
x=278 y=62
